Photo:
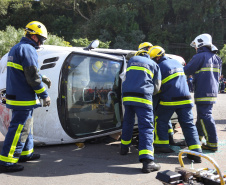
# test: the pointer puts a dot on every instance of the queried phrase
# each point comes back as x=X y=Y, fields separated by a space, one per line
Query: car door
x=89 y=101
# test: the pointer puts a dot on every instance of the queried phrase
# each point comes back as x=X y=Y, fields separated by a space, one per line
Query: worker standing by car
x=206 y=67
x=143 y=79
x=23 y=84
x=174 y=97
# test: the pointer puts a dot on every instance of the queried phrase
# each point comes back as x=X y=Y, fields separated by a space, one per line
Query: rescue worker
x=143 y=79
x=205 y=66
x=23 y=85
x=146 y=46
x=174 y=97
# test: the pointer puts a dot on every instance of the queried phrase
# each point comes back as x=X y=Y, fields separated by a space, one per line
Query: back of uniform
x=206 y=67
x=142 y=80
x=174 y=97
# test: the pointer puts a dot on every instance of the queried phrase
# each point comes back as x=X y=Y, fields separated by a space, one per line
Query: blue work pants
x=145 y=126
x=206 y=125
x=185 y=118
x=19 y=140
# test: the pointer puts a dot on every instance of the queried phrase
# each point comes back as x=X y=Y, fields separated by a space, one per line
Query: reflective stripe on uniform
x=40 y=90
x=212 y=144
x=192 y=147
x=22 y=103
x=206 y=99
x=204 y=130
x=208 y=69
x=140 y=69
x=145 y=152
x=15 y=141
x=27 y=152
x=8 y=159
x=126 y=142
x=14 y=65
x=157 y=141
x=140 y=100
x=172 y=76
x=175 y=103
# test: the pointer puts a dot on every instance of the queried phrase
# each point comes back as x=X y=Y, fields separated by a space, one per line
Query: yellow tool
x=222 y=182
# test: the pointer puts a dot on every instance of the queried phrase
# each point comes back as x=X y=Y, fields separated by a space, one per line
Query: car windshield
x=91 y=95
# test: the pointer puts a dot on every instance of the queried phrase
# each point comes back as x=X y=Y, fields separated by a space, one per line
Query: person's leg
x=163 y=115
x=185 y=118
x=208 y=126
x=127 y=129
x=13 y=145
x=146 y=138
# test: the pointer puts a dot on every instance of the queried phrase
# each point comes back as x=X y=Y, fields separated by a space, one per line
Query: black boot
x=33 y=157
x=195 y=158
x=149 y=166
x=124 y=151
x=14 y=168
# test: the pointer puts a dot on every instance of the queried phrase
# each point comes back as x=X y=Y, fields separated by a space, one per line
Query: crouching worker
x=143 y=79
x=174 y=97
x=23 y=85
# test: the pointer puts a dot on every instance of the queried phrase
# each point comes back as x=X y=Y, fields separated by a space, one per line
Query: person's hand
x=46 y=80
x=46 y=102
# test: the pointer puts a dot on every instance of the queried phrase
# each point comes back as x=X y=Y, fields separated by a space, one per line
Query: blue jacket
x=19 y=93
x=206 y=68
x=141 y=78
x=174 y=89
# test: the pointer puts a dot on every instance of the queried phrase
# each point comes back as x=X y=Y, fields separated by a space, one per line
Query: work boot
x=206 y=147
x=163 y=150
x=149 y=166
x=124 y=151
x=196 y=159
x=33 y=157
x=14 y=168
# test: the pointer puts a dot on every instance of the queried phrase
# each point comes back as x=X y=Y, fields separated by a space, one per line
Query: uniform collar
x=26 y=40
x=203 y=49
x=162 y=59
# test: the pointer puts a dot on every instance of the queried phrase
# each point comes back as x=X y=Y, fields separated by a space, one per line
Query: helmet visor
x=193 y=44
x=41 y=39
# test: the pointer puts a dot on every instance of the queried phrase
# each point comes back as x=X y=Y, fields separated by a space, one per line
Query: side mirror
x=94 y=44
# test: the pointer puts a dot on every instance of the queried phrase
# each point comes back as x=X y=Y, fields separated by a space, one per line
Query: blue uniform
x=174 y=97
x=141 y=78
x=22 y=98
x=205 y=67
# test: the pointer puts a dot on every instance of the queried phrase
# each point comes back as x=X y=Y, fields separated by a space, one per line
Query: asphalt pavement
x=99 y=163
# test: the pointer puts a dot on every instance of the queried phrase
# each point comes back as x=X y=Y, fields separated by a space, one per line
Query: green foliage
x=12 y=36
x=223 y=57
x=115 y=23
x=84 y=42
x=9 y=38
x=55 y=40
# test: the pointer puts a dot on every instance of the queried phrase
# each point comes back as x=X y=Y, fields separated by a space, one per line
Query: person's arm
x=157 y=80
x=193 y=65
x=30 y=65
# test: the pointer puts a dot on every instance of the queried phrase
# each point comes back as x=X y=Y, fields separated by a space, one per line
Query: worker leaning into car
x=174 y=97
x=23 y=85
x=146 y=46
x=206 y=67
x=143 y=79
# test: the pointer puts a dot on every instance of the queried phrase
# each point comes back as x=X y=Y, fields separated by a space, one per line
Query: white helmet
x=203 y=40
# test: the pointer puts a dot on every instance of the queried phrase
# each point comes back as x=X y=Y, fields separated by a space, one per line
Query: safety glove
x=46 y=102
x=46 y=80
